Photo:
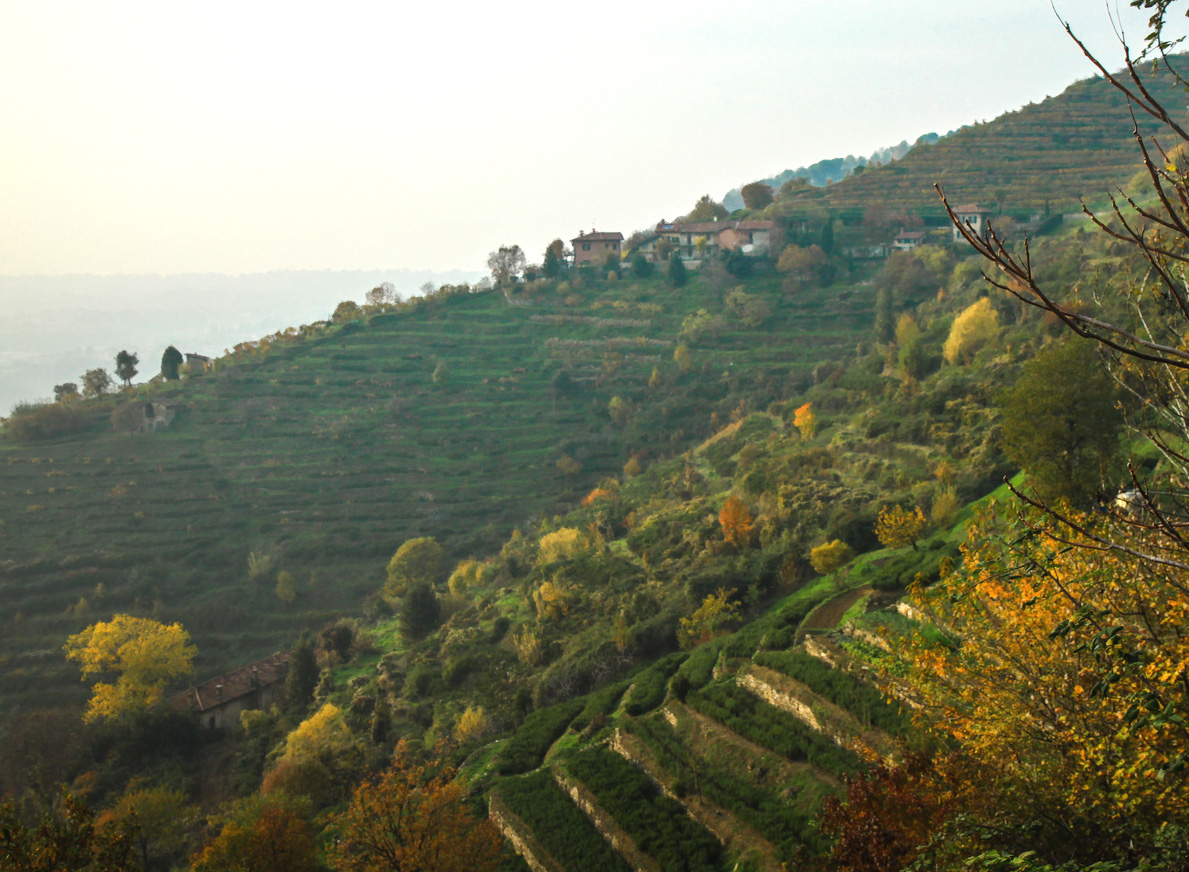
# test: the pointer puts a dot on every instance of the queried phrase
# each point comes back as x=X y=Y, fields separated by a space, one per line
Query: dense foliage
x=777 y=731
x=658 y=824
x=561 y=828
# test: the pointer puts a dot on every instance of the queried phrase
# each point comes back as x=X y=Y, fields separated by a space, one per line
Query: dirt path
x=828 y=614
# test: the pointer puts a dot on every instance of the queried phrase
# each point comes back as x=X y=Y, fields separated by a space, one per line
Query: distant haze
x=151 y=137
x=55 y=327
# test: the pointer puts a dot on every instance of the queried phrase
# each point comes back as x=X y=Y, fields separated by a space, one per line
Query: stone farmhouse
x=218 y=703
x=594 y=247
x=973 y=216
x=907 y=240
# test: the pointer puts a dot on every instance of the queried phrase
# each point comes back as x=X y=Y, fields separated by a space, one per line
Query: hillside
x=1040 y=158
x=716 y=551
x=320 y=456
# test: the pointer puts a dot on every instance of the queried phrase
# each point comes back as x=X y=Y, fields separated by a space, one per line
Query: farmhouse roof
x=908 y=235
x=233 y=685
x=598 y=236
x=971 y=209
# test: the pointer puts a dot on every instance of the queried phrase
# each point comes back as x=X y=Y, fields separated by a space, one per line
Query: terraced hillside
x=1041 y=157
x=731 y=769
x=319 y=456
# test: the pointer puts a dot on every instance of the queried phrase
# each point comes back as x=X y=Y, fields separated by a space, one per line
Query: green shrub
x=778 y=731
x=601 y=702
x=845 y=691
x=775 y=818
x=561 y=828
x=651 y=685
x=528 y=745
x=659 y=825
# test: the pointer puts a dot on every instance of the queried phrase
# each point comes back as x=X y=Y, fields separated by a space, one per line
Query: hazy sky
x=146 y=137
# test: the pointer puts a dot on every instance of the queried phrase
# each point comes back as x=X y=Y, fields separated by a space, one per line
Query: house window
x=586 y=246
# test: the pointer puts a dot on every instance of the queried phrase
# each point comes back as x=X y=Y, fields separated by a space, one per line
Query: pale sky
x=162 y=137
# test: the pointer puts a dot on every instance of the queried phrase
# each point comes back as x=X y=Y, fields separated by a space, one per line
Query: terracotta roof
x=598 y=237
x=243 y=681
x=970 y=208
x=911 y=234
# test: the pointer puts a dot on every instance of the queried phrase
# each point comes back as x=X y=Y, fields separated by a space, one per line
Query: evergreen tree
x=641 y=267
x=678 y=275
x=303 y=674
x=171 y=359
x=885 y=322
x=826 y=238
x=551 y=267
x=1060 y=422
x=419 y=614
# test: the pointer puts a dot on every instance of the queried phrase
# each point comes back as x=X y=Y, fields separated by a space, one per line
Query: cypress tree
x=677 y=272
x=171 y=359
x=303 y=674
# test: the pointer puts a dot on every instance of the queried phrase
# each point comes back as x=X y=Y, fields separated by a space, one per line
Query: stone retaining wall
x=620 y=841
x=520 y=837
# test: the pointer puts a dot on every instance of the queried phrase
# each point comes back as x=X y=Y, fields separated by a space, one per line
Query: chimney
x=219 y=692
x=255 y=680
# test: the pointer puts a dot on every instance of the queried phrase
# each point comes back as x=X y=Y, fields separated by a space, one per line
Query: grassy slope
x=330 y=452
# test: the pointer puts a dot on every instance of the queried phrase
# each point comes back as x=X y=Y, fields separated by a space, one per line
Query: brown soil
x=828 y=614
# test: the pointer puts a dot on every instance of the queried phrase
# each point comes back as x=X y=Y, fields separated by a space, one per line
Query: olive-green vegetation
x=503 y=512
x=774 y=729
x=776 y=819
x=563 y=830
x=658 y=824
x=842 y=689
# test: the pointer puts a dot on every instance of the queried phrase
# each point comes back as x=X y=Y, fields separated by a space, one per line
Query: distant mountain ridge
x=833 y=169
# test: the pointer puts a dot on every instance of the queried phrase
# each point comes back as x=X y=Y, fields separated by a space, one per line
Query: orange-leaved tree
x=272 y=839
x=805 y=421
x=1067 y=679
x=735 y=519
x=414 y=817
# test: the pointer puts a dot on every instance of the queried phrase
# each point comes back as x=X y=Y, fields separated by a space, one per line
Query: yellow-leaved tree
x=137 y=656
x=417 y=560
x=975 y=326
x=561 y=544
x=708 y=620
x=827 y=557
x=896 y=527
